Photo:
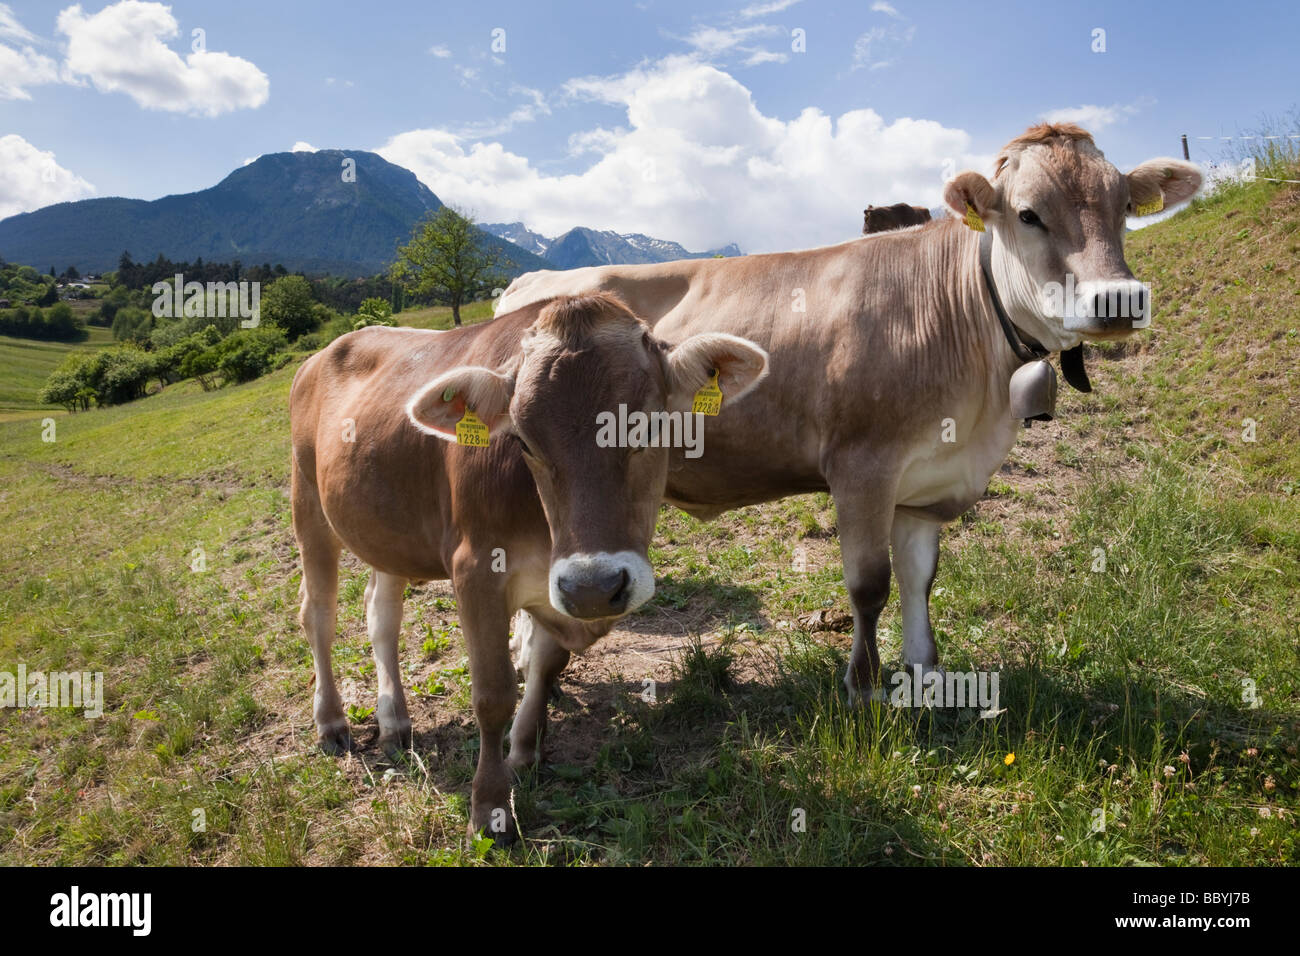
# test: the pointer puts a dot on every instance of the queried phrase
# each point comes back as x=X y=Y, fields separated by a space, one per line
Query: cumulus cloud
x=30 y=178
x=440 y=51
x=302 y=147
x=121 y=49
x=697 y=162
x=880 y=6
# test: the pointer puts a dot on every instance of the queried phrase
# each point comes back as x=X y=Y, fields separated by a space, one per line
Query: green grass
x=1122 y=689
x=27 y=363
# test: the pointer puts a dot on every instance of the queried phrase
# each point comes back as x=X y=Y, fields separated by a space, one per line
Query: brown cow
x=547 y=517
x=891 y=368
x=898 y=216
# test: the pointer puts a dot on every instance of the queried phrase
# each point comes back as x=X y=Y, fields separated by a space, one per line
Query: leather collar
x=1072 y=367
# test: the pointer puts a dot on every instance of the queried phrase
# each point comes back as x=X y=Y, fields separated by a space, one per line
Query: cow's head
x=1056 y=210
x=580 y=360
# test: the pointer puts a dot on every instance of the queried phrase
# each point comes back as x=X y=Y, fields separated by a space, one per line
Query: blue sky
x=692 y=121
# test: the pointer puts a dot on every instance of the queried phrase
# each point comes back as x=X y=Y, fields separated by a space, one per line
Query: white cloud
x=121 y=49
x=697 y=162
x=1096 y=118
x=302 y=147
x=888 y=9
x=526 y=112
x=765 y=56
x=11 y=29
x=714 y=40
x=20 y=69
x=440 y=51
x=30 y=178
x=880 y=47
x=763 y=9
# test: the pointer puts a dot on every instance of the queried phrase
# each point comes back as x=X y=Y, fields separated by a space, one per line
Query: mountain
x=520 y=235
x=591 y=247
x=290 y=208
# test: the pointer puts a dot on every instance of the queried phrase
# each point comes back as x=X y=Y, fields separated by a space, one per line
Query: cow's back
x=870 y=339
x=396 y=497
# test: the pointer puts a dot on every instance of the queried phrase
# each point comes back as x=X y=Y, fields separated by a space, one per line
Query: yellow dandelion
x=1009 y=759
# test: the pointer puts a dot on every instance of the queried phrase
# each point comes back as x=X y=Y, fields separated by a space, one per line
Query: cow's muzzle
x=1109 y=307
x=598 y=586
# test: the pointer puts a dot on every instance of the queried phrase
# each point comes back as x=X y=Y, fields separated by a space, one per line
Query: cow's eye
x=524 y=445
x=1030 y=218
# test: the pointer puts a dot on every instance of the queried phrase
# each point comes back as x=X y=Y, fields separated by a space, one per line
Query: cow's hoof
x=500 y=838
x=396 y=741
x=334 y=738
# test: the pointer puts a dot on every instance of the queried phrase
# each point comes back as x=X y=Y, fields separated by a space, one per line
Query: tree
x=288 y=303
x=447 y=257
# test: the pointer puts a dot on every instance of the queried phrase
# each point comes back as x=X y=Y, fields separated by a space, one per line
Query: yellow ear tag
x=1148 y=208
x=471 y=431
x=708 y=400
x=973 y=218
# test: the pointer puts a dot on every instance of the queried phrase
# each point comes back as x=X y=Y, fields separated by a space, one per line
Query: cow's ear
x=740 y=365
x=1159 y=183
x=970 y=190
x=437 y=408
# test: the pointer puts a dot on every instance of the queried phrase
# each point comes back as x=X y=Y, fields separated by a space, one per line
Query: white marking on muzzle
x=1109 y=305
x=641 y=578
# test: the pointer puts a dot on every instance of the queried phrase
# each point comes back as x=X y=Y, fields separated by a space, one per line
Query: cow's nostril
x=618 y=598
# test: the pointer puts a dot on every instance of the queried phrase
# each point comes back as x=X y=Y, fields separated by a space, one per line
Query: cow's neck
x=1019 y=296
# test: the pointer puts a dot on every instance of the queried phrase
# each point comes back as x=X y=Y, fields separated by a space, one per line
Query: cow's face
x=1056 y=209
x=588 y=364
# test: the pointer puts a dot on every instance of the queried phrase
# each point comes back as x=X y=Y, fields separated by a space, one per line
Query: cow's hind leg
x=864 y=524
x=319 y=549
x=384 y=595
x=916 y=557
x=543 y=664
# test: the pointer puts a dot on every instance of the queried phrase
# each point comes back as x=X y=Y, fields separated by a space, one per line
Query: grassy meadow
x=1128 y=735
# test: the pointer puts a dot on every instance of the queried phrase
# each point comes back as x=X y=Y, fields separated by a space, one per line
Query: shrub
x=288 y=303
x=251 y=353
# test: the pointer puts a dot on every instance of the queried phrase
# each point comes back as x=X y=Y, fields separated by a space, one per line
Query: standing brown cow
x=899 y=215
x=892 y=355
x=536 y=512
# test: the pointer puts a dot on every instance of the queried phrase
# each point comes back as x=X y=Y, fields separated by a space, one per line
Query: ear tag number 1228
x=708 y=400
x=470 y=430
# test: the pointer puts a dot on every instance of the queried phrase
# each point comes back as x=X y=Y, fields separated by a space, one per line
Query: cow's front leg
x=486 y=622
x=916 y=557
x=384 y=595
x=864 y=524
x=545 y=660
